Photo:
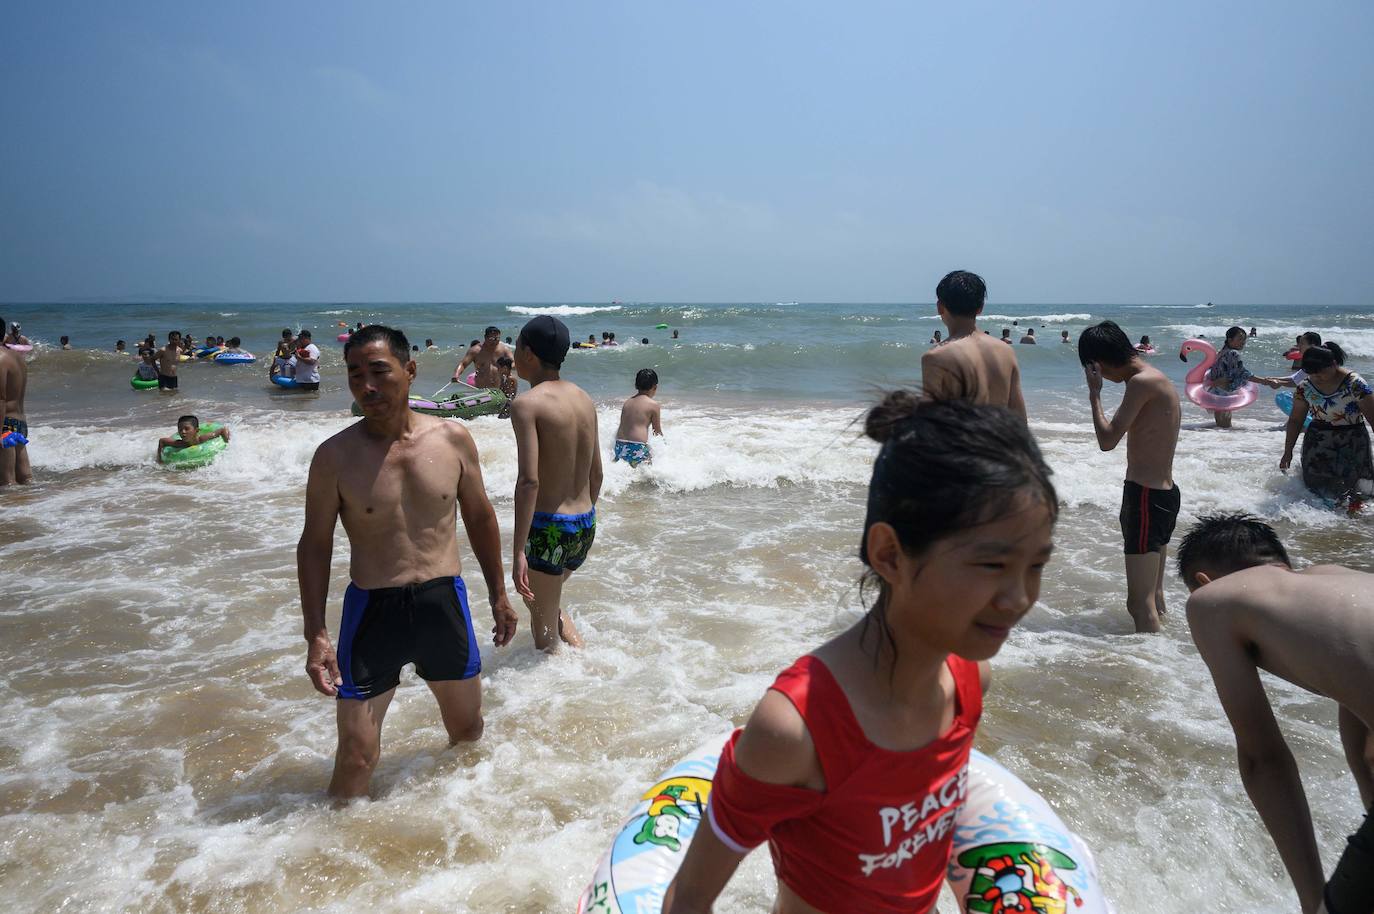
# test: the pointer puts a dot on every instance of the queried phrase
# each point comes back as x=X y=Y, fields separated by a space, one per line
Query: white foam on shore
x=1045 y=318
x=1358 y=342
x=154 y=714
x=561 y=310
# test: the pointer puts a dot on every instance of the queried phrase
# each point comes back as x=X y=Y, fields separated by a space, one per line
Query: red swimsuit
x=878 y=838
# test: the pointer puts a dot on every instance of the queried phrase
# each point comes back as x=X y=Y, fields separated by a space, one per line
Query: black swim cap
x=547 y=337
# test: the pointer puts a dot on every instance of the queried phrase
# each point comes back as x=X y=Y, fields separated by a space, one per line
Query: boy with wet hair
x=969 y=365
x=1251 y=611
x=640 y=414
x=189 y=434
x=1148 y=418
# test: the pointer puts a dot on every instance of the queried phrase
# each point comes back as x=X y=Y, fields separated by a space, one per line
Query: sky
x=1069 y=152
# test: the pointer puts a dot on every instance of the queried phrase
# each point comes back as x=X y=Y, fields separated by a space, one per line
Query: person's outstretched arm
x=313 y=553
x=457 y=372
x=484 y=535
x=1296 y=417
x=1266 y=763
x=522 y=422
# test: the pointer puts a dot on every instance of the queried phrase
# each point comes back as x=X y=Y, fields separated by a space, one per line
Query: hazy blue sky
x=698 y=151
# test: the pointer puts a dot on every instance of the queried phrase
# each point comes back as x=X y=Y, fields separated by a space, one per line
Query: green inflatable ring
x=660 y=326
x=197 y=455
x=138 y=383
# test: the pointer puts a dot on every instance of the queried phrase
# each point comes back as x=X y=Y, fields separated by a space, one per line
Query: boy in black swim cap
x=558 y=483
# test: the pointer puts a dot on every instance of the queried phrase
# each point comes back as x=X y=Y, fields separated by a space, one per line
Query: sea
x=162 y=750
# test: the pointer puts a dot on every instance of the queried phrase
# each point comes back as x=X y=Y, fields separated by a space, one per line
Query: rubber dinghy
x=467 y=404
x=1011 y=852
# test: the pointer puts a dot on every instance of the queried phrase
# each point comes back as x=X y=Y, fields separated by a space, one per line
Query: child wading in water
x=639 y=414
x=1229 y=373
x=881 y=718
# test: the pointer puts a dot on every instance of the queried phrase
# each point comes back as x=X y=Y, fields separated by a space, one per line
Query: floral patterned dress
x=1336 y=458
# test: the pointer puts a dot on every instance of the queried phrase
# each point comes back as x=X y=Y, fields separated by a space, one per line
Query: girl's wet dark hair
x=1234 y=332
x=1320 y=358
x=944 y=467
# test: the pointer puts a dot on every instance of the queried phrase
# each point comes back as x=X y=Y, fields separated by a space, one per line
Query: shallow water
x=162 y=750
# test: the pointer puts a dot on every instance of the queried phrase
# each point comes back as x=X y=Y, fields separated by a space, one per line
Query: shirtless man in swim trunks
x=1148 y=418
x=394 y=478
x=558 y=483
x=1250 y=611
x=969 y=365
x=482 y=357
x=167 y=359
x=14 y=380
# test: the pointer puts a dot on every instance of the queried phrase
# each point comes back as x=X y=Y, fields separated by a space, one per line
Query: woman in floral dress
x=1336 y=459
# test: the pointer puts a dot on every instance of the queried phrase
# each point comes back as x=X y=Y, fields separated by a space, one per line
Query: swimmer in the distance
x=1250 y=611
x=395 y=478
x=960 y=516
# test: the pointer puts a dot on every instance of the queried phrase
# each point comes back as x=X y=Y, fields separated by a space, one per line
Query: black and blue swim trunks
x=384 y=629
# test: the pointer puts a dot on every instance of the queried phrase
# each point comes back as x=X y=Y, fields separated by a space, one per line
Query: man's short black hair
x=1106 y=344
x=395 y=341
x=646 y=379
x=1311 y=337
x=962 y=293
x=195 y=421
x=304 y=334
x=1220 y=544
x=235 y=342
x=490 y=330
x=286 y=333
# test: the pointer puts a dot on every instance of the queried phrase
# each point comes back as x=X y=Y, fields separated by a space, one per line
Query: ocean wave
x=1046 y=318
x=561 y=310
x=1355 y=342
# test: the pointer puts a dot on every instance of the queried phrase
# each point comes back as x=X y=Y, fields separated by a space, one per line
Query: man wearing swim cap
x=394 y=479
x=558 y=483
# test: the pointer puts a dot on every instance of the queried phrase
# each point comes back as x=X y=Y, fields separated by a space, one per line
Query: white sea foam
x=1355 y=341
x=1045 y=318
x=154 y=715
x=561 y=310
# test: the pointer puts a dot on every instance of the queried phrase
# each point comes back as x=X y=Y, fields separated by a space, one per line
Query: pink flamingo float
x=1195 y=384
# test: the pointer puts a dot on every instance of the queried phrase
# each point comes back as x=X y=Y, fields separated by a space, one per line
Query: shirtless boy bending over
x=1148 y=418
x=558 y=482
x=969 y=365
x=393 y=478
x=1250 y=611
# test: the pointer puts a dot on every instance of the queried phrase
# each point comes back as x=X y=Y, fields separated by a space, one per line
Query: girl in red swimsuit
x=853 y=766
